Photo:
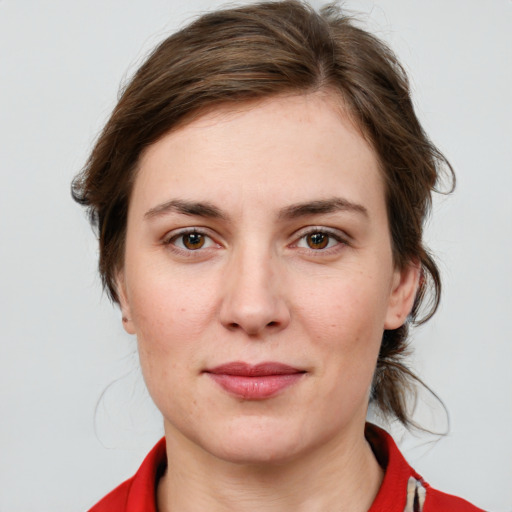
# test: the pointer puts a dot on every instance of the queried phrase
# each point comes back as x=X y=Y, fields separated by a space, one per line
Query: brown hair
x=240 y=54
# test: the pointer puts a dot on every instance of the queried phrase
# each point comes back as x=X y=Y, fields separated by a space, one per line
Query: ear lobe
x=124 y=304
x=403 y=294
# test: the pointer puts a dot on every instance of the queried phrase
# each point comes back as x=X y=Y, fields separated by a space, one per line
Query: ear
x=403 y=292
x=124 y=303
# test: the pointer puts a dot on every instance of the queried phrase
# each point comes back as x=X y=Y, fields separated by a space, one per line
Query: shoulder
x=137 y=494
x=116 y=500
x=403 y=489
x=436 y=501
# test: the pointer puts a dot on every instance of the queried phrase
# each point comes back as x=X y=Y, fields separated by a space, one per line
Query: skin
x=259 y=290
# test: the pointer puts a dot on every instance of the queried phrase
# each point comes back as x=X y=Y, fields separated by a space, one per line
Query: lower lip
x=255 y=388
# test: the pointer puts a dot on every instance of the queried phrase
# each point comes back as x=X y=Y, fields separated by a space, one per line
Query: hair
x=235 y=55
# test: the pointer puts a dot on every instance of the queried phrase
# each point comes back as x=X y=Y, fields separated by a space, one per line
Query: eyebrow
x=294 y=211
x=332 y=205
x=199 y=209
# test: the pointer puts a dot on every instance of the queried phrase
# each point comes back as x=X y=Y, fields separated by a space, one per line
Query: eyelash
x=340 y=240
x=170 y=240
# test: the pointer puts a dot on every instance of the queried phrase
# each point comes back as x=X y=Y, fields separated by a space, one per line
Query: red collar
x=138 y=493
x=392 y=494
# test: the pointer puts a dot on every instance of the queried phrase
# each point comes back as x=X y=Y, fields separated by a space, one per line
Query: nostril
x=234 y=326
x=254 y=317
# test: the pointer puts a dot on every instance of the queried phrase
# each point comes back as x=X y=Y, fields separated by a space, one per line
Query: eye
x=318 y=240
x=190 y=241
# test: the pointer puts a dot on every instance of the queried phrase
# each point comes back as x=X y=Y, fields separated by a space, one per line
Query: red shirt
x=402 y=487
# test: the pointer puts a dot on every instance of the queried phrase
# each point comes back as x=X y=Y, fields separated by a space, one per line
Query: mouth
x=255 y=382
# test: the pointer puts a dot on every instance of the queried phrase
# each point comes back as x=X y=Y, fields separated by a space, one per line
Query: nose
x=254 y=296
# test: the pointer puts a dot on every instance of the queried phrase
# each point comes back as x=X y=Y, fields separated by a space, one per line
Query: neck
x=340 y=475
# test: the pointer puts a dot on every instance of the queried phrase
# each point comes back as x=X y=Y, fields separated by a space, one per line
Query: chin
x=260 y=443
x=257 y=453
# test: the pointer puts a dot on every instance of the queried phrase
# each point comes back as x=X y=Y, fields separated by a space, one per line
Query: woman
x=259 y=193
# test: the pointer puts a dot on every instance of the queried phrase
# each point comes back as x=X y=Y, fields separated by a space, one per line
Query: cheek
x=165 y=301
x=350 y=310
x=169 y=316
x=170 y=321
x=345 y=322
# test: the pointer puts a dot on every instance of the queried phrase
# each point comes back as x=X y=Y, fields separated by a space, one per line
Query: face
x=259 y=278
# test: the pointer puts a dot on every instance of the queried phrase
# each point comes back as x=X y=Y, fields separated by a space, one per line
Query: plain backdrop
x=75 y=419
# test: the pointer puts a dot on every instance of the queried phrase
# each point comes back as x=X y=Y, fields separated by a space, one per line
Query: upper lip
x=239 y=368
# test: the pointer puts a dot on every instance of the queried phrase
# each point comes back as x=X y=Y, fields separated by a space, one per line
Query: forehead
x=289 y=148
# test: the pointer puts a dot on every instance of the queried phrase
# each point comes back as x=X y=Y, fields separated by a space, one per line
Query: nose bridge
x=253 y=300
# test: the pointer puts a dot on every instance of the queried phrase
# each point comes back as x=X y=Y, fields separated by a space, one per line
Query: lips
x=255 y=382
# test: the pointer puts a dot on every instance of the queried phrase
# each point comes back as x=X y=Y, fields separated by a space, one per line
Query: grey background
x=75 y=418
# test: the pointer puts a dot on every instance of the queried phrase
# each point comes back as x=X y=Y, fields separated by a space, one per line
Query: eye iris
x=317 y=240
x=193 y=241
